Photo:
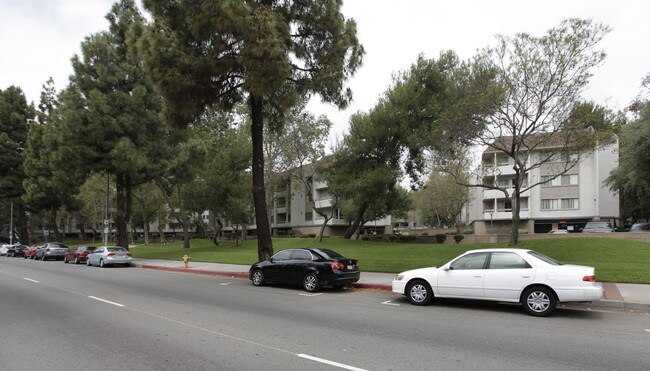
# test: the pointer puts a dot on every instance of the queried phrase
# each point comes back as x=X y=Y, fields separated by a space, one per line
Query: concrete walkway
x=617 y=296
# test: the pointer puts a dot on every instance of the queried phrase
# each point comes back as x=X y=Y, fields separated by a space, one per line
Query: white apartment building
x=567 y=202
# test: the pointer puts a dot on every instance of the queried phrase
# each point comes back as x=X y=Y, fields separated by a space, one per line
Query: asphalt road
x=56 y=316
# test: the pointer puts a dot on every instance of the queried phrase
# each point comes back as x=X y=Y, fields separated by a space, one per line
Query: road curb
x=239 y=275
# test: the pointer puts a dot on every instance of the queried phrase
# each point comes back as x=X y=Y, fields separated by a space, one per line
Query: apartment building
x=565 y=202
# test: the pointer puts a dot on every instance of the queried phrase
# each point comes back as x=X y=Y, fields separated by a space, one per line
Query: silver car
x=109 y=255
x=51 y=250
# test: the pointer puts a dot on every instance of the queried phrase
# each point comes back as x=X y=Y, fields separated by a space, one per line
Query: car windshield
x=544 y=258
x=59 y=245
x=116 y=249
x=641 y=227
x=329 y=254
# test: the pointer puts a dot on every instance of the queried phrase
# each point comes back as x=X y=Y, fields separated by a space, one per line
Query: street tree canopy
x=270 y=53
x=541 y=79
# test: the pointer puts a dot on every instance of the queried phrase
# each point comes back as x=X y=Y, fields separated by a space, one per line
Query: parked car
x=558 y=231
x=598 y=227
x=309 y=267
x=505 y=275
x=17 y=250
x=31 y=252
x=640 y=227
x=109 y=255
x=79 y=254
x=51 y=250
x=4 y=249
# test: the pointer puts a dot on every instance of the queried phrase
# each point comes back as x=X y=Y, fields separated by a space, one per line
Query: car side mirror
x=446 y=267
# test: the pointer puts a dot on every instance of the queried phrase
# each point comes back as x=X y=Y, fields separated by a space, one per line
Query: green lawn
x=615 y=260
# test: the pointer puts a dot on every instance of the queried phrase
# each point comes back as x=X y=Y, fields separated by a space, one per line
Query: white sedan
x=506 y=275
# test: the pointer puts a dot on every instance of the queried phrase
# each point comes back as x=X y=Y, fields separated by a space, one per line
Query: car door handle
x=478 y=276
x=525 y=276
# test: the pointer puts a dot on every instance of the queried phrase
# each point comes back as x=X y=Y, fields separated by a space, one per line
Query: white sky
x=38 y=38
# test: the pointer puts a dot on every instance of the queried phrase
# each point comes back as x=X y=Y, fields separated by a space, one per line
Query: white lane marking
x=388 y=302
x=647 y=330
x=31 y=280
x=331 y=363
x=310 y=295
x=106 y=301
x=225 y=283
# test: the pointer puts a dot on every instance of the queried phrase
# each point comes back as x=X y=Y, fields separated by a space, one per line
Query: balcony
x=323 y=204
x=504 y=214
x=320 y=185
x=489 y=194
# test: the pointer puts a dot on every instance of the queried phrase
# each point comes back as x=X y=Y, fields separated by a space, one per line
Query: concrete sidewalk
x=617 y=296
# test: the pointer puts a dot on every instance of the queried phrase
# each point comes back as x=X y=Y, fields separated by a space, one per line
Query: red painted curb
x=242 y=275
x=239 y=275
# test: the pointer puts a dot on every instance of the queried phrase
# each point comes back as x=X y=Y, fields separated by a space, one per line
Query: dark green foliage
x=441 y=238
x=14 y=113
x=270 y=53
x=458 y=238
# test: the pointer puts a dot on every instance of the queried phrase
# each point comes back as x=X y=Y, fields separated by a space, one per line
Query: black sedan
x=309 y=267
x=17 y=250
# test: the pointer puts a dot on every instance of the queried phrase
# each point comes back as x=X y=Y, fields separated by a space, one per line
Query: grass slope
x=615 y=260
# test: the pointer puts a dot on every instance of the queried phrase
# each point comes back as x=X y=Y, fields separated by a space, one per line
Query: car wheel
x=88 y=262
x=311 y=282
x=538 y=301
x=43 y=258
x=101 y=263
x=65 y=260
x=76 y=260
x=258 y=277
x=419 y=292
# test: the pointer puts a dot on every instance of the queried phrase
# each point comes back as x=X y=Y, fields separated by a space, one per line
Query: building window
x=309 y=216
x=503 y=160
x=560 y=203
x=564 y=180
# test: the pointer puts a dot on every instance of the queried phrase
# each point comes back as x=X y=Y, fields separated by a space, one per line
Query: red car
x=79 y=254
x=31 y=252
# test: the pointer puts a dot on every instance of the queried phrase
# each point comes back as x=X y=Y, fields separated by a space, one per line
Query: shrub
x=441 y=237
x=424 y=234
x=392 y=238
x=312 y=235
x=458 y=238
x=468 y=231
x=365 y=238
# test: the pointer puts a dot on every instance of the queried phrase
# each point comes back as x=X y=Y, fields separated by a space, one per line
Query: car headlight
x=399 y=277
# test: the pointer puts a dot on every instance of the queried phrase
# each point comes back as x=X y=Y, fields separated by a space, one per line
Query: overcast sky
x=38 y=38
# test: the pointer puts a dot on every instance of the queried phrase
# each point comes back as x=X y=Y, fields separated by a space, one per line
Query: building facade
x=567 y=202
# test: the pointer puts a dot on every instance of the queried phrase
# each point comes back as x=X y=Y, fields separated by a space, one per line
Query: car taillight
x=589 y=278
x=110 y=255
x=337 y=265
x=129 y=255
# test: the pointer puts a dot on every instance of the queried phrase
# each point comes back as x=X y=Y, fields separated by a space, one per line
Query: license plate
x=350 y=267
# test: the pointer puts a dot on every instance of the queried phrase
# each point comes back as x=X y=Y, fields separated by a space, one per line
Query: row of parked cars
x=101 y=256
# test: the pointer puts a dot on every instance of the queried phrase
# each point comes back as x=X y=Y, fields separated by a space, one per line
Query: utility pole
x=11 y=225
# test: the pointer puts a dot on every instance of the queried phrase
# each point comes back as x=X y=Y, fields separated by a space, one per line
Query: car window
x=301 y=255
x=101 y=249
x=544 y=258
x=116 y=249
x=470 y=261
x=91 y=249
x=507 y=260
x=329 y=254
x=282 y=255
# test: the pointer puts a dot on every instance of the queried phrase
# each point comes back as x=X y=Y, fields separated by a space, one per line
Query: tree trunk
x=23 y=224
x=145 y=228
x=264 y=241
x=54 y=226
x=179 y=218
x=183 y=219
x=161 y=233
x=217 y=230
x=121 y=221
x=514 y=232
x=357 y=220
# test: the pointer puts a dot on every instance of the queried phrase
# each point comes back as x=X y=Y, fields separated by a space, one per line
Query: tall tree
x=15 y=116
x=632 y=176
x=110 y=111
x=542 y=79
x=50 y=184
x=269 y=52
